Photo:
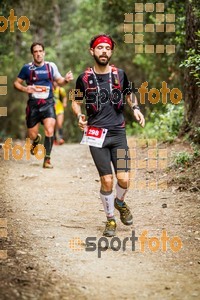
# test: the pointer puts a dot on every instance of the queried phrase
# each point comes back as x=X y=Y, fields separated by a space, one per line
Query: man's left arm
x=132 y=100
x=59 y=78
x=64 y=80
x=133 y=103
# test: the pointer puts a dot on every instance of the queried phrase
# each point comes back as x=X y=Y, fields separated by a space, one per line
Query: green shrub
x=193 y=61
x=182 y=159
x=185 y=159
x=164 y=126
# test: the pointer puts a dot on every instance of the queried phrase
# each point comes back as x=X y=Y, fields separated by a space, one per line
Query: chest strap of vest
x=34 y=77
x=115 y=78
x=89 y=78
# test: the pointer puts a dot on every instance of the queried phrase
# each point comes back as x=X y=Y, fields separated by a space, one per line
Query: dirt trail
x=46 y=209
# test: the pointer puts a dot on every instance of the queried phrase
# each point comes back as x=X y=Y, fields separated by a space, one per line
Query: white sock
x=120 y=192
x=108 y=203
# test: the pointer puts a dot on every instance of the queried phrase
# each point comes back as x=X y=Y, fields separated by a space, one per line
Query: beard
x=102 y=62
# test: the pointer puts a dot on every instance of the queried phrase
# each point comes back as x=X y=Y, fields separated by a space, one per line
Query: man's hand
x=136 y=110
x=139 y=117
x=69 y=76
x=31 y=89
x=82 y=123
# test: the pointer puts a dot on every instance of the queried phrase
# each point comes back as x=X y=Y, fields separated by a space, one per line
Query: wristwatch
x=135 y=107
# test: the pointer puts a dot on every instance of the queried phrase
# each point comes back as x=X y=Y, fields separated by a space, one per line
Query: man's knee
x=32 y=134
x=107 y=182
x=123 y=180
x=49 y=129
x=49 y=132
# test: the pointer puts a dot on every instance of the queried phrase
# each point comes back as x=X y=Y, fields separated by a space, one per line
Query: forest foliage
x=66 y=27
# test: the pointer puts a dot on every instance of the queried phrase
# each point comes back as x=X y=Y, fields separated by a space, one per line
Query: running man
x=60 y=98
x=104 y=88
x=39 y=76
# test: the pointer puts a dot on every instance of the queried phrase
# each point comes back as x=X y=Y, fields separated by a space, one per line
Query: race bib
x=42 y=92
x=94 y=136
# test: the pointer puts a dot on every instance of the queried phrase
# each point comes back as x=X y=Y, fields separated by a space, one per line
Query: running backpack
x=33 y=76
x=93 y=104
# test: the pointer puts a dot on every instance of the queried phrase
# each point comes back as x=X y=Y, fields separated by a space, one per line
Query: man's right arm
x=76 y=104
x=76 y=107
x=18 y=84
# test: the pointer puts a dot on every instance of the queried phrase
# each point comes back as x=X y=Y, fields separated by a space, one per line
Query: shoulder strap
x=48 y=67
x=88 y=78
x=33 y=76
x=115 y=77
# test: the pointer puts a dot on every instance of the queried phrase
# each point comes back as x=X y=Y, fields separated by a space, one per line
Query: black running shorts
x=115 y=150
x=37 y=111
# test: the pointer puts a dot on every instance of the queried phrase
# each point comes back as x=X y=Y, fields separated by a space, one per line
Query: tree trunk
x=57 y=27
x=191 y=124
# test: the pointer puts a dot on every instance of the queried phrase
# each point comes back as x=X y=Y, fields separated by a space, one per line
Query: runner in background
x=105 y=89
x=60 y=98
x=39 y=76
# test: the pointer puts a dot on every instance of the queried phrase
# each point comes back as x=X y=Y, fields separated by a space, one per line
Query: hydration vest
x=33 y=76
x=93 y=100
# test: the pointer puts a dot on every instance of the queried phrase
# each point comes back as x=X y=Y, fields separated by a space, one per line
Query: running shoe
x=61 y=142
x=35 y=143
x=55 y=142
x=125 y=213
x=110 y=228
x=47 y=164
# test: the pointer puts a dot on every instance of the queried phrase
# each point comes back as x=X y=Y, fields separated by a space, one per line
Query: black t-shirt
x=107 y=116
